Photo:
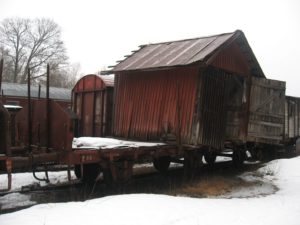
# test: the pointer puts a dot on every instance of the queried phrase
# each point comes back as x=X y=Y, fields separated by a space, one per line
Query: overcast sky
x=98 y=33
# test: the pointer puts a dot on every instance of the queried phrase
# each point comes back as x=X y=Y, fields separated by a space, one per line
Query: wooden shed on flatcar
x=196 y=91
x=92 y=101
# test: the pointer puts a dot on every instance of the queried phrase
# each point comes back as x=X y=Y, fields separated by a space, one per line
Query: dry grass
x=209 y=187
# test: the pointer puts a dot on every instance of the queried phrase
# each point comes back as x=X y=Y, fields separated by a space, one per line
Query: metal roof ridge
x=189 y=39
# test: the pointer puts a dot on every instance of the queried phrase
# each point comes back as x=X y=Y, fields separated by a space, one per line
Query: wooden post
x=29 y=112
x=178 y=112
x=39 y=94
x=48 y=107
x=1 y=72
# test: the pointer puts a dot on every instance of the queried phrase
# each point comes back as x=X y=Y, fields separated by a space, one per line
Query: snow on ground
x=20 y=180
x=282 y=207
x=14 y=200
x=97 y=142
x=26 y=180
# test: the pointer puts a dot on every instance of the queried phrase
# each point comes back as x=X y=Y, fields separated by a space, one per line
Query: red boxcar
x=16 y=94
x=92 y=101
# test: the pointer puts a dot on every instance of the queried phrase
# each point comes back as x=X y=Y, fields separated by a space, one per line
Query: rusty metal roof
x=183 y=52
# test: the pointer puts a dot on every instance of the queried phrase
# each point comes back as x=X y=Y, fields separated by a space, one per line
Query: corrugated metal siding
x=292 y=117
x=182 y=102
x=92 y=102
x=150 y=104
x=266 y=120
x=214 y=103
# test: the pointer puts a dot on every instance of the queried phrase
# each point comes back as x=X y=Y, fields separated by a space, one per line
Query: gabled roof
x=184 y=52
x=20 y=90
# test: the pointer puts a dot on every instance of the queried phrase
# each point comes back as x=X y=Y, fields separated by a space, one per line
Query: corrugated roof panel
x=194 y=48
x=138 y=56
x=153 y=56
x=20 y=90
x=173 y=53
x=175 y=48
x=211 y=47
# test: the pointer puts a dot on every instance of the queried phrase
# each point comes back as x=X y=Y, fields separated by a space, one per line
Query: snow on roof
x=20 y=90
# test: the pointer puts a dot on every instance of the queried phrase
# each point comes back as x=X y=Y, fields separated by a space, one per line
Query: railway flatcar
x=169 y=102
x=205 y=96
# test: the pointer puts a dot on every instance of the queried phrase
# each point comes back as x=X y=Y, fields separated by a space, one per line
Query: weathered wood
x=267 y=109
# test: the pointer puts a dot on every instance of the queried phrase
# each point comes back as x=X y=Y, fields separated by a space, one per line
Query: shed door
x=210 y=123
x=236 y=124
x=88 y=114
x=214 y=99
x=266 y=120
x=99 y=108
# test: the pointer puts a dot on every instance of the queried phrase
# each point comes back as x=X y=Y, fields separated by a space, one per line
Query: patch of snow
x=282 y=207
x=13 y=107
x=13 y=200
x=104 y=143
x=222 y=159
x=250 y=191
x=25 y=179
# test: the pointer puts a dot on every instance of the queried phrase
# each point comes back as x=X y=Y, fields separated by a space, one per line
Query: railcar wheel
x=238 y=158
x=90 y=172
x=210 y=158
x=260 y=155
x=162 y=164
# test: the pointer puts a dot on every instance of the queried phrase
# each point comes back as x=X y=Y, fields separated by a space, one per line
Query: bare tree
x=64 y=76
x=32 y=44
x=7 y=66
x=13 y=37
